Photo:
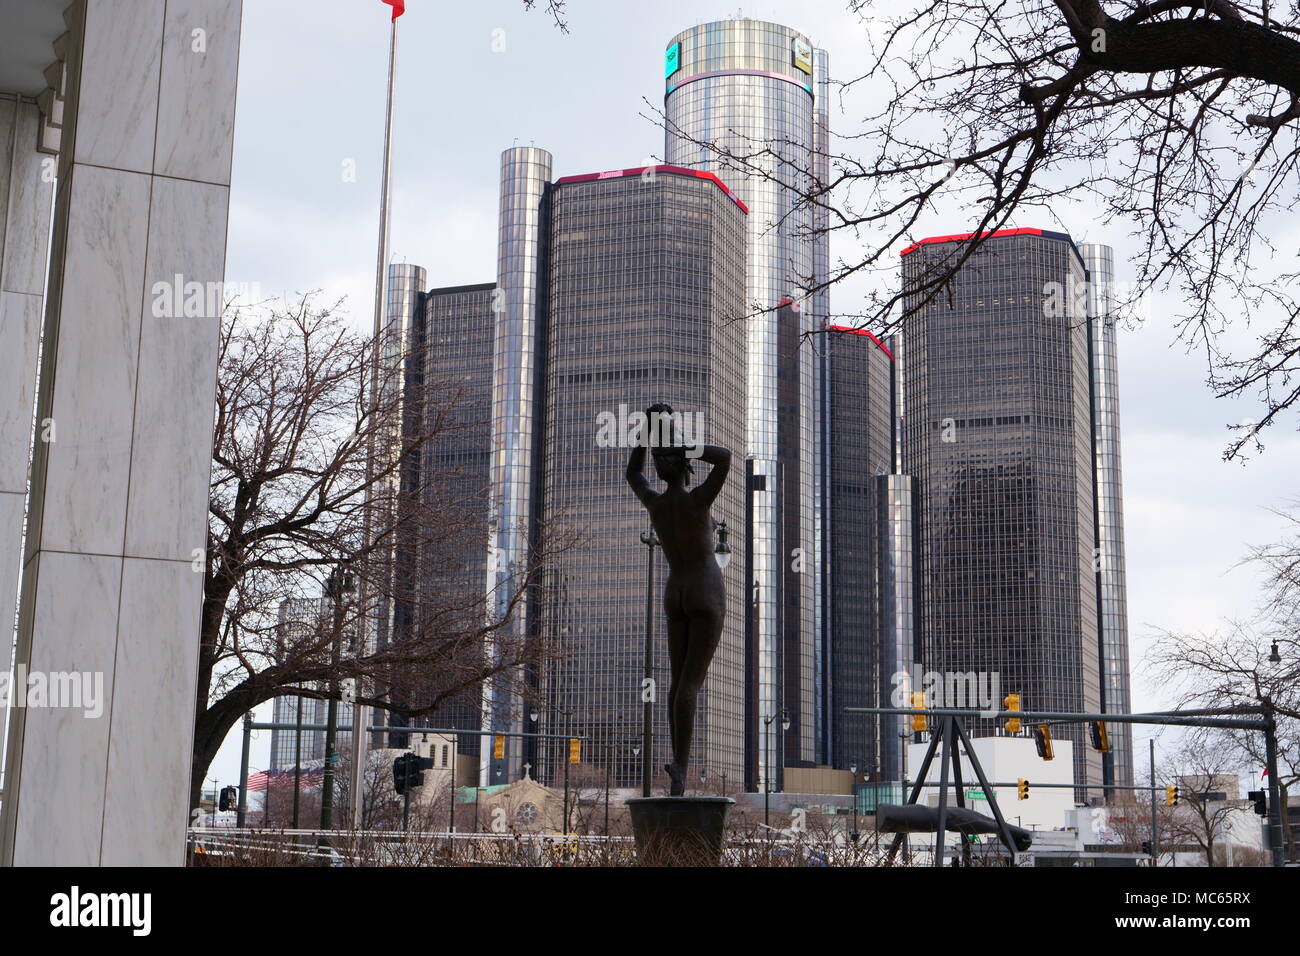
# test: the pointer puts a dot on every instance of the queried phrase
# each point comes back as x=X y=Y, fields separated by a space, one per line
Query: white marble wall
x=119 y=499
x=26 y=185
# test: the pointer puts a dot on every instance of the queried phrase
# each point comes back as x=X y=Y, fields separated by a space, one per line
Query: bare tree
x=315 y=473
x=1175 y=118
x=1250 y=662
x=1201 y=817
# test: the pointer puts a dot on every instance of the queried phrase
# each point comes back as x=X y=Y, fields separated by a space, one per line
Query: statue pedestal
x=679 y=831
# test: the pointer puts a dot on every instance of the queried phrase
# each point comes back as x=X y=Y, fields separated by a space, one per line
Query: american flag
x=263 y=779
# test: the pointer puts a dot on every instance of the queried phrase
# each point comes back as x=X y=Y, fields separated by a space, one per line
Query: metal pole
x=334 y=585
x=451 y=804
x=941 y=835
x=1166 y=719
x=242 y=812
x=767 y=774
x=1274 y=791
x=1003 y=830
x=1155 y=832
x=854 y=791
x=607 y=798
x=406 y=809
x=381 y=284
x=297 y=763
x=649 y=540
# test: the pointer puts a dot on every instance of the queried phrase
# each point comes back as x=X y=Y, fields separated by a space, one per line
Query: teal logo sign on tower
x=672 y=60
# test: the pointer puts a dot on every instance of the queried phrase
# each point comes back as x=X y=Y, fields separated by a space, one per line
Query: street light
x=568 y=727
x=338 y=585
x=722 y=553
x=853 y=769
x=771 y=745
x=1273 y=656
x=534 y=716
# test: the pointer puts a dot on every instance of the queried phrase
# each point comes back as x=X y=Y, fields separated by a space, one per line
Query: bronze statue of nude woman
x=694 y=596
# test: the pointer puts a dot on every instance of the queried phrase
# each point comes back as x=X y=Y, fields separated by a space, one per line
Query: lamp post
x=568 y=734
x=533 y=716
x=337 y=585
x=297 y=762
x=853 y=769
x=903 y=737
x=650 y=541
x=771 y=746
x=722 y=553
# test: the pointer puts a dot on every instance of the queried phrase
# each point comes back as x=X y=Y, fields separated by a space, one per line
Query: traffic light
x=1100 y=740
x=575 y=750
x=1260 y=799
x=1011 y=702
x=407 y=773
x=1022 y=789
x=1043 y=741
x=499 y=747
x=1171 y=796
x=229 y=798
x=918 y=703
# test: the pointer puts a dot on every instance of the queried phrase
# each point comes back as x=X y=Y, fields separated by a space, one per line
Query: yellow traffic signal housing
x=1012 y=702
x=918 y=703
x=499 y=747
x=1043 y=741
x=1022 y=789
x=1171 y=796
x=1100 y=739
x=575 y=750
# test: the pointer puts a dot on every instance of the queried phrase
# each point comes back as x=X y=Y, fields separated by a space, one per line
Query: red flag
x=399 y=7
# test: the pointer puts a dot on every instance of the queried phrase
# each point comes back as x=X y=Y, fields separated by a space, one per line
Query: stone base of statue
x=679 y=831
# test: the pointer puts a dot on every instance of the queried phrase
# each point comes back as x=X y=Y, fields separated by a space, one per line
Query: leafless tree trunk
x=293 y=500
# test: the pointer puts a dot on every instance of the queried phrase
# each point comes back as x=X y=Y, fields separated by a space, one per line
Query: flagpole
x=359 y=739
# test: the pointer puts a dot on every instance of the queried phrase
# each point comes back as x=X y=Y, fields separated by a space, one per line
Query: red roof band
x=673 y=170
x=853 y=331
x=970 y=235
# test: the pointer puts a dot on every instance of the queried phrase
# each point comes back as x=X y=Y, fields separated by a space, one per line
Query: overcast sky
x=311 y=94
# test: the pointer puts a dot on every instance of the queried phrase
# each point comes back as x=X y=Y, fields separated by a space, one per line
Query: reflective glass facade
x=998 y=436
x=457 y=327
x=525 y=175
x=1112 y=593
x=747 y=86
x=859 y=402
x=646 y=287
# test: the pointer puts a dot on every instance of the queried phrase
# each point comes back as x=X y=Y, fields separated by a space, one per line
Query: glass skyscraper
x=645 y=292
x=860 y=368
x=1000 y=388
x=758 y=90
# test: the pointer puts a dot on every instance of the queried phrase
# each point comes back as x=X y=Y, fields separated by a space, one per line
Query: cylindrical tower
x=746 y=88
x=525 y=176
x=896 y=562
x=401 y=375
x=1112 y=596
x=817 y=407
